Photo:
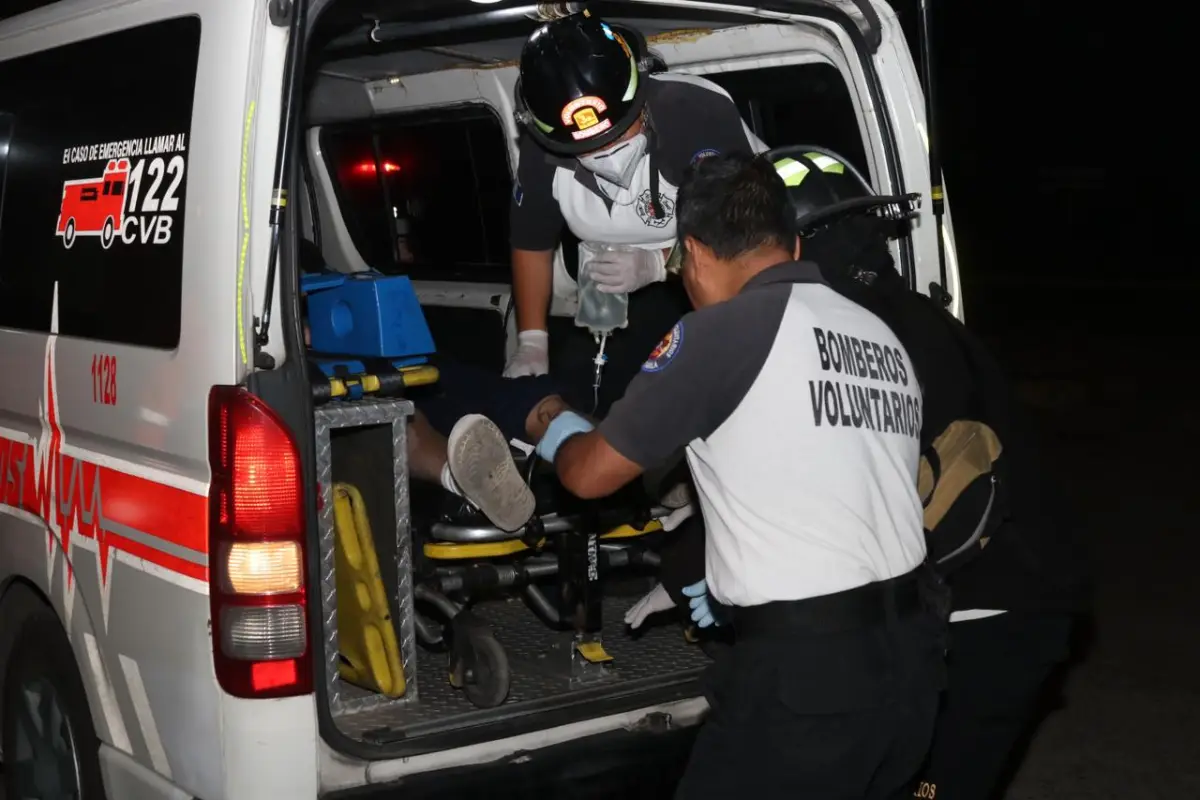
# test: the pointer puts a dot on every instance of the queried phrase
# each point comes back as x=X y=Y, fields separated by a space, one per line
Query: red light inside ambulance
x=368 y=167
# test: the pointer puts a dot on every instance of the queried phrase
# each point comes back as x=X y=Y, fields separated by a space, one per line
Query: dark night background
x=1070 y=180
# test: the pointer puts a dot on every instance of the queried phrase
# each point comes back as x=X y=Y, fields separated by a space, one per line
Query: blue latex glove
x=702 y=613
x=563 y=427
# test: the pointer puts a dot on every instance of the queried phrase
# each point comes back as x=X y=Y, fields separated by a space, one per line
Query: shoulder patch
x=645 y=210
x=700 y=155
x=667 y=349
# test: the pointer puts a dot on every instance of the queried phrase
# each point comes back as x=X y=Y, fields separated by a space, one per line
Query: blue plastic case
x=366 y=314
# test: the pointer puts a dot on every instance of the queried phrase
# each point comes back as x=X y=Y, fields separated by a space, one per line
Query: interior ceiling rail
x=398 y=31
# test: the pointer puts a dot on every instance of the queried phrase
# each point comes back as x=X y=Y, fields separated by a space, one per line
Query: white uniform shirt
x=801 y=415
x=692 y=118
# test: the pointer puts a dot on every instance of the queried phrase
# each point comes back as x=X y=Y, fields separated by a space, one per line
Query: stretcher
x=369 y=338
x=557 y=565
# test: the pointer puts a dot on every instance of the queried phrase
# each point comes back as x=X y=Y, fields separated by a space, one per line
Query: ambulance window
x=102 y=178
x=798 y=104
x=426 y=194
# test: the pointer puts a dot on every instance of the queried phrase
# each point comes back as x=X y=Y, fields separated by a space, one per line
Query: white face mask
x=618 y=164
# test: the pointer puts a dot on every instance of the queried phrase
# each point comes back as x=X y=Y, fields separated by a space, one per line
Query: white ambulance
x=168 y=602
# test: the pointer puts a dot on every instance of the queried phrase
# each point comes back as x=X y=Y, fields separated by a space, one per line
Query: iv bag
x=599 y=312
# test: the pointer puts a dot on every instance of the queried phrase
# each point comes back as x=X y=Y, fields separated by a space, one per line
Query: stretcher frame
x=344 y=698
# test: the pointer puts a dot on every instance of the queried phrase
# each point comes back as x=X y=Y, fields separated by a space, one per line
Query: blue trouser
x=463 y=389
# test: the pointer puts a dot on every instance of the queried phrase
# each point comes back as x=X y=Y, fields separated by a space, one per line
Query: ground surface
x=1113 y=395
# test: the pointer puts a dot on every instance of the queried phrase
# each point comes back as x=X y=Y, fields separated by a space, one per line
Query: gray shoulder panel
x=697 y=376
x=693 y=118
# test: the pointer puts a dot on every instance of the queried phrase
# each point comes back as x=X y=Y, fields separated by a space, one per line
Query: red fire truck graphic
x=94 y=206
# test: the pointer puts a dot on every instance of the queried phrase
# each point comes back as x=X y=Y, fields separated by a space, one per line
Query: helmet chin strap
x=652 y=145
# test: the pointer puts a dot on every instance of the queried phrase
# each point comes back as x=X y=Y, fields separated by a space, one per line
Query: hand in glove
x=656 y=600
x=532 y=356
x=702 y=613
x=617 y=271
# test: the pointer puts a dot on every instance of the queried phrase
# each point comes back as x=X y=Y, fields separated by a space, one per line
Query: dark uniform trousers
x=997 y=670
x=822 y=715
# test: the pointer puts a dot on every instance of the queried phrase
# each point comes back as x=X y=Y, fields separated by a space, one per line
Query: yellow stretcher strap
x=444 y=551
x=419 y=376
x=451 y=552
x=629 y=532
x=423 y=375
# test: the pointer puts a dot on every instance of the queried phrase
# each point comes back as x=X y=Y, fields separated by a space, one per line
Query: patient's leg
x=484 y=472
x=427 y=452
x=542 y=414
x=466 y=389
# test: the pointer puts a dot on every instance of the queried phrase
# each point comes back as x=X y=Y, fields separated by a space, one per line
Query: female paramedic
x=605 y=149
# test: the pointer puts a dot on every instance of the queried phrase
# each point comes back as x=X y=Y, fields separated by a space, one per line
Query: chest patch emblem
x=666 y=350
x=645 y=211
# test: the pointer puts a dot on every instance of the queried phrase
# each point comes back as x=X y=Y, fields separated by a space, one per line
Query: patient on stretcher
x=453 y=443
x=475 y=459
x=459 y=436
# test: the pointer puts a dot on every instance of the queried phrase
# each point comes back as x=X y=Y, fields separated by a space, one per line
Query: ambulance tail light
x=261 y=643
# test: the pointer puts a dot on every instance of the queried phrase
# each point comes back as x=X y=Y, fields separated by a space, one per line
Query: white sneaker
x=483 y=468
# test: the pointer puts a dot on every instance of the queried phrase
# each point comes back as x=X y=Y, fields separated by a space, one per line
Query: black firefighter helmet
x=825 y=187
x=582 y=84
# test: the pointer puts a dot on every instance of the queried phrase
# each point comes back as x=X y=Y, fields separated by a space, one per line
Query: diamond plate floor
x=656 y=653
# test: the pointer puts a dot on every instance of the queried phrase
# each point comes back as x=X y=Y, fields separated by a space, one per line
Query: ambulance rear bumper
x=648 y=755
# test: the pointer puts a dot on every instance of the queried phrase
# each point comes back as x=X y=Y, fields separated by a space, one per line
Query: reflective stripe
x=631 y=89
x=794 y=172
x=242 y=331
x=826 y=164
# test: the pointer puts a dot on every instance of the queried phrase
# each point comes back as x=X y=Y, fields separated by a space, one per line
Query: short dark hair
x=734 y=203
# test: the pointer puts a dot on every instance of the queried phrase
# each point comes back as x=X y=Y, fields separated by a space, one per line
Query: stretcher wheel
x=478 y=663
